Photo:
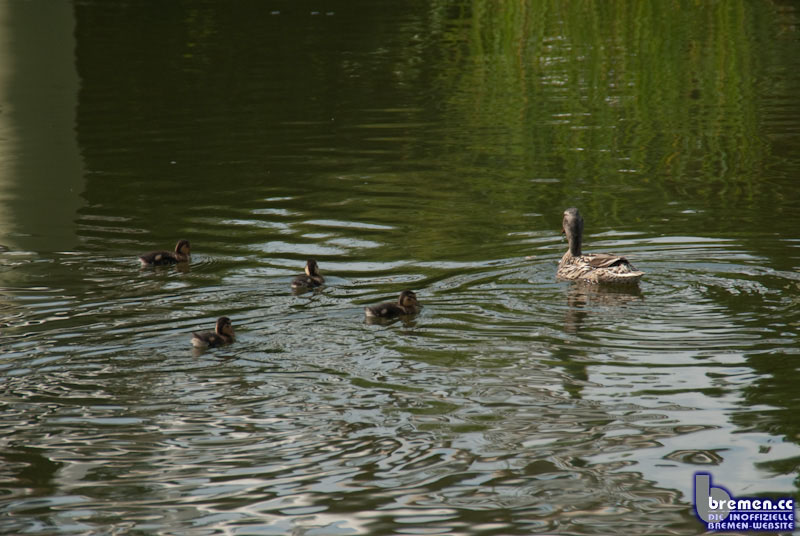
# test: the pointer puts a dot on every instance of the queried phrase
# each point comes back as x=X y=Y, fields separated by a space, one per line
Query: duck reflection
x=31 y=468
x=582 y=297
x=407 y=321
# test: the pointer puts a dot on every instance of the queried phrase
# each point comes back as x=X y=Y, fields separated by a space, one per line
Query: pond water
x=423 y=145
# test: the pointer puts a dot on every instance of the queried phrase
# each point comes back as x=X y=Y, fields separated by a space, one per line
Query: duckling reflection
x=310 y=280
x=181 y=254
x=36 y=470
x=222 y=334
x=405 y=305
x=592 y=267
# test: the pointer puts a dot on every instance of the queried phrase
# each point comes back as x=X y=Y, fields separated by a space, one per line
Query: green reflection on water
x=41 y=172
x=451 y=131
x=630 y=105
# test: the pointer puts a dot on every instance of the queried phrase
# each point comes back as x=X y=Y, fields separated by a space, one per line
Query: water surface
x=430 y=146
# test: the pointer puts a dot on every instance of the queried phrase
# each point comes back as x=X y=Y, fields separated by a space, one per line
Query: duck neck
x=574 y=240
x=575 y=247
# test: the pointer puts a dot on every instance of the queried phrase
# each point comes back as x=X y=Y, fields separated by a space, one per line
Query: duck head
x=224 y=327
x=408 y=299
x=183 y=247
x=312 y=268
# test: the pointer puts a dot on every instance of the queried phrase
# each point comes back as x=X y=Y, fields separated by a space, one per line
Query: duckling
x=406 y=304
x=592 y=267
x=222 y=334
x=311 y=279
x=160 y=258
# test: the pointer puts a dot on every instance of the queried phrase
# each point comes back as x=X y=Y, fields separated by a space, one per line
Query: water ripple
x=532 y=402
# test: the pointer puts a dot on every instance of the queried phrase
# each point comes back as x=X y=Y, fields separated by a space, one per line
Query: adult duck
x=592 y=267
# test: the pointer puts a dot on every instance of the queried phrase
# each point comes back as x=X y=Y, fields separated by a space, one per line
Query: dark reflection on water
x=428 y=146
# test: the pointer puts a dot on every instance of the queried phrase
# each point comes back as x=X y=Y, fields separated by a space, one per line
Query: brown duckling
x=406 y=304
x=161 y=258
x=311 y=279
x=222 y=334
x=592 y=267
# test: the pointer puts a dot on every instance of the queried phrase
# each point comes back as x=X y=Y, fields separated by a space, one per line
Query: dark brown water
x=422 y=145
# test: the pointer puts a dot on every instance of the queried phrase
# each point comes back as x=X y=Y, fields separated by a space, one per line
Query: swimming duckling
x=592 y=267
x=161 y=258
x=311 y=279
x=222 y=334
x=406 y=304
